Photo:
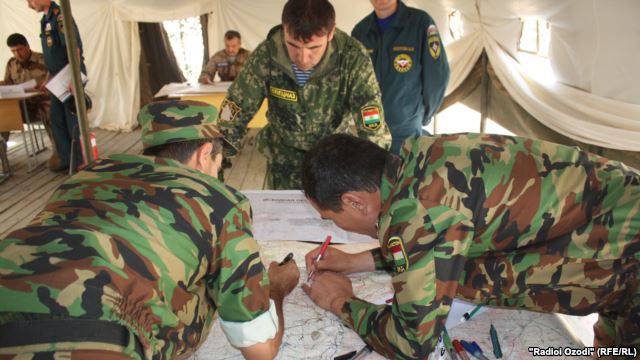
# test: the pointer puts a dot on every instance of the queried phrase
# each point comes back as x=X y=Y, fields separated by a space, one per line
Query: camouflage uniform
x=227 y=67
x=504 y=221
x=145 y=243
x=37 y=107
x=341 y=92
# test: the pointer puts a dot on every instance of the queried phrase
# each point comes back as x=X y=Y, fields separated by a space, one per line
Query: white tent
x=594 y=52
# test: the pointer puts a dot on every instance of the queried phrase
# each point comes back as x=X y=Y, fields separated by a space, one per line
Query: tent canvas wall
x=594 y=44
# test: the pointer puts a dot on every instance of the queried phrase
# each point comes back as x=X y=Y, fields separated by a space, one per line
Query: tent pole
x=78 y=90
x=484 y=101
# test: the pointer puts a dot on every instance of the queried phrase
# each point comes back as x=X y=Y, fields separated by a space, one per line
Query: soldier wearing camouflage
x=341 y=95
x=226 y=66
x=147 y=243
x=502 y=221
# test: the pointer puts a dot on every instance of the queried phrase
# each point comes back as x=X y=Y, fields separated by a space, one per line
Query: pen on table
x=460 y=350
x=468 y=315
x=323 y=249
x=497 y=351
x=473 y=349
x=286 y=259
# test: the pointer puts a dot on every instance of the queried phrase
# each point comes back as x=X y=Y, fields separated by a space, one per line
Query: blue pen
x=473 y=350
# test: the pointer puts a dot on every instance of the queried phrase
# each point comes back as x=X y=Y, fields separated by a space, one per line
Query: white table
x=14 y=116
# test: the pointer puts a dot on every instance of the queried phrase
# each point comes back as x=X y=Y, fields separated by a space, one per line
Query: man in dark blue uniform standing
x=410 y=64
x=64 y=122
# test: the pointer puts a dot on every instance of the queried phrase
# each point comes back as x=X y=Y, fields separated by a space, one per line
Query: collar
x=156 y=161
x=52 y=7
x=390 y=176
x=26 y=62
x=398 y=22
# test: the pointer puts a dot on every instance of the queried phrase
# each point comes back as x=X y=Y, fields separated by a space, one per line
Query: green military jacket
x=498 y=220
x=341 y=92
x=145 y=242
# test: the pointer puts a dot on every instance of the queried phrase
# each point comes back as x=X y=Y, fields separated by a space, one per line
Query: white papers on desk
x=18 y=89
x=287 y=215
x=60 y=83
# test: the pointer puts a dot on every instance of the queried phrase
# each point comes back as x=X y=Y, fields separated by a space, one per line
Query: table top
x=174 y=90
x=26 y=95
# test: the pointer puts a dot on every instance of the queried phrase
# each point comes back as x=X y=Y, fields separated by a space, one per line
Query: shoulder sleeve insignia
x=400 y=259
x=371 y=117
x=433 y=42
x=228 y=110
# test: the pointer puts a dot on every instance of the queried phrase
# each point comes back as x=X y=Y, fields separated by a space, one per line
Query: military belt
x=33 y=332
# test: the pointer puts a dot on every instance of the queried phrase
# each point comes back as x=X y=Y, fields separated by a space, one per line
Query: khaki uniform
x=227 y=67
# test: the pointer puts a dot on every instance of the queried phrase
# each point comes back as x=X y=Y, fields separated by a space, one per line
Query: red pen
x=323 y=249
x=460 y=350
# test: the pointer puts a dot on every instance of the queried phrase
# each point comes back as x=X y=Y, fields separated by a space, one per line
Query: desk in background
x=14 y=116
x=211 y=94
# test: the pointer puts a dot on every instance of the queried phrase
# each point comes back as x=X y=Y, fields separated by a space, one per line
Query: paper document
x=287 y=215
x=18 y=89
x=60 y=83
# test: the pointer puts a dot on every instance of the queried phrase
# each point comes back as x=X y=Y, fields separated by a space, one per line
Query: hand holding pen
x=318 y=257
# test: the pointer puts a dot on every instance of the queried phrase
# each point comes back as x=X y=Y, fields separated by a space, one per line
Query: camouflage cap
x=171 y=121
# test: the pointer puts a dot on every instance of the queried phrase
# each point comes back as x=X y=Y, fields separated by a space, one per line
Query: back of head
x=341 y=163
x=306 y=18
x=16 y=40
x=177 y=128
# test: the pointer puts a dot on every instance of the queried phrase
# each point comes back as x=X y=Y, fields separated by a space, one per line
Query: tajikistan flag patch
x=399 y=255
x=371 y=117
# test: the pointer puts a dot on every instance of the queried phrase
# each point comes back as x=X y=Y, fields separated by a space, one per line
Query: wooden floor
x=24 y=194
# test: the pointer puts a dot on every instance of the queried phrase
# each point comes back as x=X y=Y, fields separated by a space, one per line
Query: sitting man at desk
x=135 y=255
x=227 y=62
x=26 y=65
x=497 y=220
x=318 y=81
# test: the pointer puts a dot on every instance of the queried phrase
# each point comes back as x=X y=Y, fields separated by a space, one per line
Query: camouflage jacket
x=226 y=66
x=17 y=72
x=533 y=219
x=145 y=242
x=342 y=91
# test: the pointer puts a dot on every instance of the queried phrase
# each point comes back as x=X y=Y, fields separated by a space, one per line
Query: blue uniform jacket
x=411 y=66
x=54 y=46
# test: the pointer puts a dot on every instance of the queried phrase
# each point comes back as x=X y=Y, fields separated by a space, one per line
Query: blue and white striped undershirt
x=302 y=76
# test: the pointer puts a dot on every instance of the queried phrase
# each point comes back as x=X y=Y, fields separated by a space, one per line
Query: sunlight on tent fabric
x=185 y=36
x=461 y=118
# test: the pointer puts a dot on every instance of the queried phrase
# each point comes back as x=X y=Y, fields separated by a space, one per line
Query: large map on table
x=312 y=333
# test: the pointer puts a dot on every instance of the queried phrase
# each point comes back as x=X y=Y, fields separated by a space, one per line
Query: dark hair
x=182 y=151
x=17 y=39
x=341 y=163
x=232 y=34
x=306 y=18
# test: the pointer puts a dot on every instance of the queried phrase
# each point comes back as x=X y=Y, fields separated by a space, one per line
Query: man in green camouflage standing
x=134 y=256
x=496 y=220
x=317 y=80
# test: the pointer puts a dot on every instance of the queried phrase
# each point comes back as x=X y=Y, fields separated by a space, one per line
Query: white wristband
x=258 y=330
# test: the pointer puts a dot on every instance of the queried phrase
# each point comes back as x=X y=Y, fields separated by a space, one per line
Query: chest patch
x=402 y=63
x=284 y=94
x=399 y=255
